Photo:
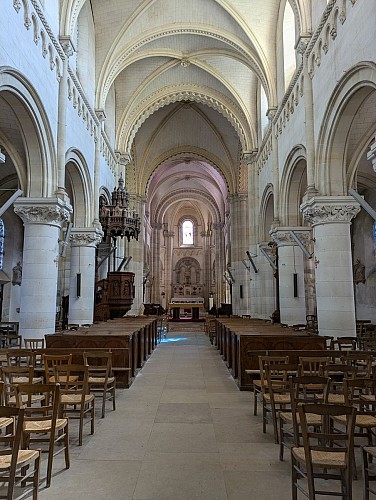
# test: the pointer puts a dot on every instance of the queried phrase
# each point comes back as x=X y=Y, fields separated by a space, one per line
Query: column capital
x=123 y=159
x=68 y=45
x=218 y=226
x=282 y=235
x=330 y=209
x=85 y=236
x=50 y=211
x=249 y=157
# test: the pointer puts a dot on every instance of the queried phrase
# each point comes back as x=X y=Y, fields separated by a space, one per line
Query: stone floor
x=182 y=431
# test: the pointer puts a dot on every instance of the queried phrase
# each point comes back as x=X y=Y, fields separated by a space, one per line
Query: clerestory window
x=187 y=229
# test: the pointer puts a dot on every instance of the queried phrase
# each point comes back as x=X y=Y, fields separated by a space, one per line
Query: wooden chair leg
x=80 y=430
x=255 y=402
x=92 y=416
x=294 y=478
x=104 y=401
x=263 y=417
x=36 y=478
x=49 y=464
x=113 y=397
x=66 y=444
x=281 y=444
x=365 y=476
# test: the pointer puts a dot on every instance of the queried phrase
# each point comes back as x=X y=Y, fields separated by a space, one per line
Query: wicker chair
x=76 y=401
x=369 y=454
x=17 y=466
x=101 y=380
x=41 y=423
x=276 y=393
x=300 y=393
x=259 y=383
x=324 y=454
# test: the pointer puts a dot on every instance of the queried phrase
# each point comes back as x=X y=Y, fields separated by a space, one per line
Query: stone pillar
x=253 y=210
x=136 y=251
x=290 y=262
x=239 y=246
x=205 y=277
x=220 y=293
x=82 y=261
x=42 y=219
x=266 y=285
x=168 y=278
x=68 y=47
x=97 y=166
x=155 y=261
x=275 y=163
x=330 y=217
x=309 y=131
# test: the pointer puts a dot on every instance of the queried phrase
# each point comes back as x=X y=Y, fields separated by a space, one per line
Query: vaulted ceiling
x=185 y=77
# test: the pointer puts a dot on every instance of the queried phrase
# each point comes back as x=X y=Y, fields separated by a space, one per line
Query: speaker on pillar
x=295 y=284
x=78 y=285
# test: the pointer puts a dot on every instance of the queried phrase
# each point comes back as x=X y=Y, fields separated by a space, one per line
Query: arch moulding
x=40 y=175
x=170 y=95
x=330 y=168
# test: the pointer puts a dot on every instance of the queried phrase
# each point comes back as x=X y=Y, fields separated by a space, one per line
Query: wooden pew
x=137 y=334
x=239 y=336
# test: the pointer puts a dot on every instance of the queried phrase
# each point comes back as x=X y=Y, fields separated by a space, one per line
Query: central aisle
x=182 y=431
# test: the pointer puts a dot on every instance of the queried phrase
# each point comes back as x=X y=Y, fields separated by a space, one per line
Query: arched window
x=2 y=235
x=263 y=110
x=187 y=232
x=289 y=62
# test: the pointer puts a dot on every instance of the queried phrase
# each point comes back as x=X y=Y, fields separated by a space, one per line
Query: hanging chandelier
x=118 y=219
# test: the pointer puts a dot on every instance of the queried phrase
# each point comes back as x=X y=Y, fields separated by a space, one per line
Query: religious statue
x=359 y=272
x=17 y=274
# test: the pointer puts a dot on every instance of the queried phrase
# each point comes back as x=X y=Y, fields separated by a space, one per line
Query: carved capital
x=85 y=237
x=67 y=44
x=271 y=112
x=302 y=43
x=249 y=157
x=330 y=209
x=123 y=159
x=282 y=235
x=101 y=115
x=51 y=211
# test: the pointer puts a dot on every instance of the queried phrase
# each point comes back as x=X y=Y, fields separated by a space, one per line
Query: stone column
x=266 y=285
x=239 y=246
x=290 y=262
x=219 y=264
x=42 y=219
x=136 y=251
x=330 y=217
x=97 y=166
x=275 y=163
x=155 y=261
x=205 y=276
x=253 y=207
x=168 y=278
x=82 y=261
x=68 y=47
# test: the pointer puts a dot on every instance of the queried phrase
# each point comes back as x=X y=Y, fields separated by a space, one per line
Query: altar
x=185 y=308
